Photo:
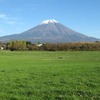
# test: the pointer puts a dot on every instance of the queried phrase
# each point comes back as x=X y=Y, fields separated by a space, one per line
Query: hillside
x=50 y=31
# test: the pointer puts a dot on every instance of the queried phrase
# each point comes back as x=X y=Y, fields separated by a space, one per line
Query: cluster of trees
x=76 y=46
x=16 y=45
x=21 y=46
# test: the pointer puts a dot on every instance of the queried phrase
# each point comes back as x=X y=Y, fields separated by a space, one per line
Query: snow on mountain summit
x=49 y=21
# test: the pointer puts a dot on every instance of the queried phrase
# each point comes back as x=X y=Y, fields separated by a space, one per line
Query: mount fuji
x=49 y=31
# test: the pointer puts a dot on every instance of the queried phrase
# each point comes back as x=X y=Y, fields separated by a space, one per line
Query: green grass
x=41 y=75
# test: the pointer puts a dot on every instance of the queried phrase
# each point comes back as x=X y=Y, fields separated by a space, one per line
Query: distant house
x=38 y=45
x=2 y=47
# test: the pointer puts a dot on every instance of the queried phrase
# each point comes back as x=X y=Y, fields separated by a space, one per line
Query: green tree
x=17 y=45
x=28 y=43
x=39 y=42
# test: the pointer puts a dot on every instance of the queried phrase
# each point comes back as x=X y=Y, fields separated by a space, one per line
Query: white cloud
x=3 y=16
x=1 y=31
x=8 y=19
x=11 y=23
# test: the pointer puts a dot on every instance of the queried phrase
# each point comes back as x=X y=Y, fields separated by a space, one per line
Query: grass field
x=41 y=75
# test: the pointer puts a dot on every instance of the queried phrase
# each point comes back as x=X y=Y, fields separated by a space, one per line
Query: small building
x=2 y=47
x=38 y=45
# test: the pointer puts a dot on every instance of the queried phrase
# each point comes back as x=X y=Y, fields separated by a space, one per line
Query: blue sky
x=17 y=16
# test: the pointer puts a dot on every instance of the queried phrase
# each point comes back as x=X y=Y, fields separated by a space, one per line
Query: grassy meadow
x=44 y=75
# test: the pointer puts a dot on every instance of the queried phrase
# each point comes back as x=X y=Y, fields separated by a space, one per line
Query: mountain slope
x=50 y=31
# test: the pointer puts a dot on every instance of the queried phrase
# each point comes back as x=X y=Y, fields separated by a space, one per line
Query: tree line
x=74 y=46
x=18 y=45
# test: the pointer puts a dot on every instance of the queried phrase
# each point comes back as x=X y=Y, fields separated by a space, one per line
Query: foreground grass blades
x=40 y=75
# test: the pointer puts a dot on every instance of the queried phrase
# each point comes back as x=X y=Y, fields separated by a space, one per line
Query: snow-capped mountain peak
x=49 y=21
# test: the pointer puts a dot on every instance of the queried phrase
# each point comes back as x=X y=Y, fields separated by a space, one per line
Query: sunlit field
x=43 y=75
